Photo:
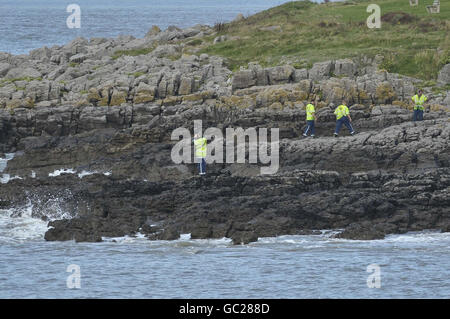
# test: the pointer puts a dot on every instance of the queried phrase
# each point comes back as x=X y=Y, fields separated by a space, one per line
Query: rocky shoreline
x=96 y=108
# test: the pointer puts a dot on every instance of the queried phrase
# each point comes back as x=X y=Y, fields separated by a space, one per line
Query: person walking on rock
x=200 y=152
x=310 y=120
x=419 y=99
x=343 y=117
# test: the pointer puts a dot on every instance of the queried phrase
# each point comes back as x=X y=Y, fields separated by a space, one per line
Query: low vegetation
x=4 y=82
x=137 y=74
x=412 y=41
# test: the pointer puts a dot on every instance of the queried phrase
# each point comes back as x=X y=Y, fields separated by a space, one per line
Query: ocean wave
x=326 y=238
x=184 y=241
x=307 y=242
x=426 y=236
x=30 y=221
x=18 y=225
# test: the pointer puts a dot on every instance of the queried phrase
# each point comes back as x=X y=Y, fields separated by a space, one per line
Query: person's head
x=196 y=136
x=344 y=102
x=419 y=92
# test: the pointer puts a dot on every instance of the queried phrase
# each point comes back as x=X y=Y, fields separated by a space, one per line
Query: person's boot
x=335 y=134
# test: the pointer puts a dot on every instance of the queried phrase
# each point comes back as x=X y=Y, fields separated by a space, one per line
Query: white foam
x=326 y=238
x=17 y=225
x=61 y=171
x=186 y=241
x=86 y=173
x=24 y=223
x=4 y=161
x=126 y=239
x=426 y=236
x=286 y=239
x=183 y=242
x=185 y=236
x=72 y=171
x=6 y=178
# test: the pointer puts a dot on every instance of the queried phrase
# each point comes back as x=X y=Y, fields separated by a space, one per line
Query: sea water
x=413 y=265
x=31 y=24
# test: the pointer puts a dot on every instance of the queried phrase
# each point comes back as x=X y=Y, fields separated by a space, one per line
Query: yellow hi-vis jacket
x=419 y=101
x=341 y=110
x=200 y=147
x=310 y=112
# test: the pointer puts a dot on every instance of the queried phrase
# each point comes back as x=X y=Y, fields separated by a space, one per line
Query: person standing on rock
x=310 y=120
x=200 y=152
x=419 y=99
x=343 y=117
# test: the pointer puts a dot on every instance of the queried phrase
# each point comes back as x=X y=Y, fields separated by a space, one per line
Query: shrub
x=388 y=63
x=136 y=74
x=428 y=61
x=220 y=27
x=194 y=42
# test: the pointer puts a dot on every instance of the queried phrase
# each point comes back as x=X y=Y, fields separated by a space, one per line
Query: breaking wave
x=17 y=225
x=5 y=178
x=30 y=222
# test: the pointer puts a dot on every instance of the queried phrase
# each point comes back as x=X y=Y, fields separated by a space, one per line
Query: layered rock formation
x=164 y=67
x=107 y=115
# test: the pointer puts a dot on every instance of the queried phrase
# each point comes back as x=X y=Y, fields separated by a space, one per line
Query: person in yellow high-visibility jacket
x=343 y=117
x=310 y=119
x=200 y=152
x=419 y=100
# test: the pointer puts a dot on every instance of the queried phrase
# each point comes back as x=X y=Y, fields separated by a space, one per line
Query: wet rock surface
x=245 y=208
x=393 y=177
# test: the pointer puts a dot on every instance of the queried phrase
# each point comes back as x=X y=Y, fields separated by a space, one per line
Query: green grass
x=136 y=74
x=194 y=42
x=440 y=89
x=4 y=82
x=312 y=32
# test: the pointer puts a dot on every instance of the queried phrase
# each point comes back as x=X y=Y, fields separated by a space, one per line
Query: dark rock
x=168 y=234
x=361 y=231
x=91 y=238
x=243 y=238
x=4 y=204
x=202 y=231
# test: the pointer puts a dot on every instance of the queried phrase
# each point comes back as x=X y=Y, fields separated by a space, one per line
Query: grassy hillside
x=412 y=41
